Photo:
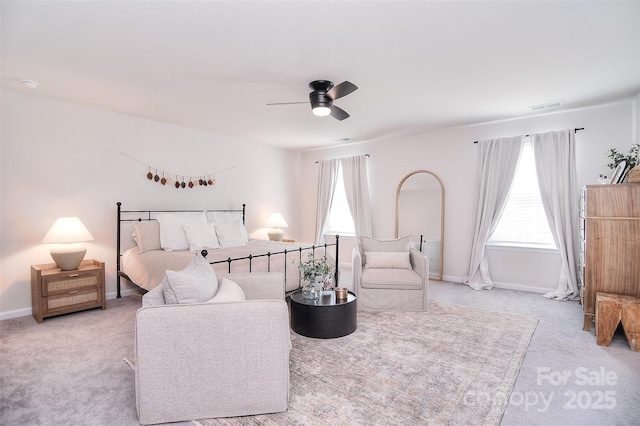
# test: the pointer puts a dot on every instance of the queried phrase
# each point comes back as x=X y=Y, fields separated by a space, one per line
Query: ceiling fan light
x=321 y=111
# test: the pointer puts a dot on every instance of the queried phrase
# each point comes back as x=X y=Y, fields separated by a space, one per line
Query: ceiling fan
x=322 y=97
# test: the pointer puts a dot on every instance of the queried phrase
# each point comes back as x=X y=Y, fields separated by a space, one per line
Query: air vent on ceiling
x=548 y=105
x=30 y=84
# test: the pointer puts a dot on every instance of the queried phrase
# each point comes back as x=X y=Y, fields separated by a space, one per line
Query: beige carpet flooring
x=69 y=369
x=451 y=365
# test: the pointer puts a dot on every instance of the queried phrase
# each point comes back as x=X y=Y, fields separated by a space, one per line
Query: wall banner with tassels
x=177 y=180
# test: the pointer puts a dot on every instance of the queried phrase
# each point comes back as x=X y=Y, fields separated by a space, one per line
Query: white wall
x=452 y=155
x=61 y=159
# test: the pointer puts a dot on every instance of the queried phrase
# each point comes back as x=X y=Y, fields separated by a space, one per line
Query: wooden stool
x=611 y=309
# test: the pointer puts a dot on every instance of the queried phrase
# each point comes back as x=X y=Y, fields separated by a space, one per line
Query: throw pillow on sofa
x=228 y=291
x=197 y=283
x=372 y=244
x=387 y=260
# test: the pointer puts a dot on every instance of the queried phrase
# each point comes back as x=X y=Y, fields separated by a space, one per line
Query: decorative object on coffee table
x=317 y=275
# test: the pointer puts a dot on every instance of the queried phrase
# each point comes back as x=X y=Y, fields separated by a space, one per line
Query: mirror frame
x=441 y=213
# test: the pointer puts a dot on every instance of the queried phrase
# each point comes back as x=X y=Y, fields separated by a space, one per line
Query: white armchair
x=388 y=274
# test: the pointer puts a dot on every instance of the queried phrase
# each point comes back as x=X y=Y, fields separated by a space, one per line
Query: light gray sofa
x=402 y=289
x=198 y=361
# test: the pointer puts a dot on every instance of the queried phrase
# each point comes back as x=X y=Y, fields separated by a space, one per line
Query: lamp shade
x=67 y=230
x=67 y=233
x=276 y=221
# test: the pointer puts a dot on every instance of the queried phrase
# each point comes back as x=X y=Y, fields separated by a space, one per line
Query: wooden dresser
x=610 y=243
x=56 y=292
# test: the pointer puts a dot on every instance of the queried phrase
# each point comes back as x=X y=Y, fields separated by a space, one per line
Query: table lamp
x=275 y=222
x=67 y=233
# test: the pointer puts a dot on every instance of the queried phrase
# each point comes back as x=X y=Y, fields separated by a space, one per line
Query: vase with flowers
x=317 y=275
x=629 y=169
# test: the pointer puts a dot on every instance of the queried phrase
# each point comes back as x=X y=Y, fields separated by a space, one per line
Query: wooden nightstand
x=56 y=292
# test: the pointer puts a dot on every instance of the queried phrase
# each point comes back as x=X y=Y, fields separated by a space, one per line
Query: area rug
x=452 y=365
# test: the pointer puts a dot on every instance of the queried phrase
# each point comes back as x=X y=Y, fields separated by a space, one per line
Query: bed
x=151 y=241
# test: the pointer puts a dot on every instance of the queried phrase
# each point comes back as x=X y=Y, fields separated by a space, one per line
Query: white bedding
x=147 y=269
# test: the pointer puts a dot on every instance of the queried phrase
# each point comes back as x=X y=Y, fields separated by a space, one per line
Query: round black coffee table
x=325 y=318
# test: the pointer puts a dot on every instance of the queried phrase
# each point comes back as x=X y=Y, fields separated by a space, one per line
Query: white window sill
x=341 y=235
x=531 y=248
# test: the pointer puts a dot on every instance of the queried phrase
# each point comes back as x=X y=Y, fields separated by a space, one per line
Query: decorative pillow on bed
x=228 y=291
x=201 y=236
x=147 y=235
x=172 y=235
x=196 y=283
x=223 y=217
x=387 y=260
x=231 y=234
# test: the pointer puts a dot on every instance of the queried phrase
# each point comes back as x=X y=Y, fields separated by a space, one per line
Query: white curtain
x=557 y=178
x=356 y=186
x=328 y=175
x=498 y=162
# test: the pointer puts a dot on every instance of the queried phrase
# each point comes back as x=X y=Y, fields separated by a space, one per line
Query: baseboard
x=506 y=286
x=25 y=312
x=123 y=293
x=16 y=313
x=520 y=287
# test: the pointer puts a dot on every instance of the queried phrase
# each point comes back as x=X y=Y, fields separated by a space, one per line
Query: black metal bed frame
x=145 y=215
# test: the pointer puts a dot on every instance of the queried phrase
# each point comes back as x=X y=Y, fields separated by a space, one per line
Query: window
x=340 y=220
x=523 y=222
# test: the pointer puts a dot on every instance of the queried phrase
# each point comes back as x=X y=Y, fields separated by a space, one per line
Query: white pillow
x=147 y=235
x=372 y=244
x=231 y=234
x=154 y=297
x=224 y=217
x=387 y=260
x=196 y=283
x=228 y=291
x=172 y=235
x=201 y=236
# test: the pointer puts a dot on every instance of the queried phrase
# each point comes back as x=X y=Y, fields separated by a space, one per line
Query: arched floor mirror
x=420 y=213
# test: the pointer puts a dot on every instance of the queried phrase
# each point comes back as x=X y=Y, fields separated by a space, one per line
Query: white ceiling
x=420 y=66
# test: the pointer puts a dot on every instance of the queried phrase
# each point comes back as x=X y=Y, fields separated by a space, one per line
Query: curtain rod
x=574 y=131
x=366 y=155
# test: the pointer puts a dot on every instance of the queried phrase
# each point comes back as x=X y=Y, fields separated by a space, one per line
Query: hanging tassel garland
x=186 y=181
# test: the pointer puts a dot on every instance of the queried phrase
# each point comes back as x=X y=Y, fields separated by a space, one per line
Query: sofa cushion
x=154 y=297
x=228 y=291
x=399 y=279
x=196 y=283
x=387 y=260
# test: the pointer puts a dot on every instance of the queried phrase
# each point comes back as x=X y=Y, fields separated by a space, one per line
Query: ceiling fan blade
x=338 y=113
x=288 y=103
x=342 y=89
